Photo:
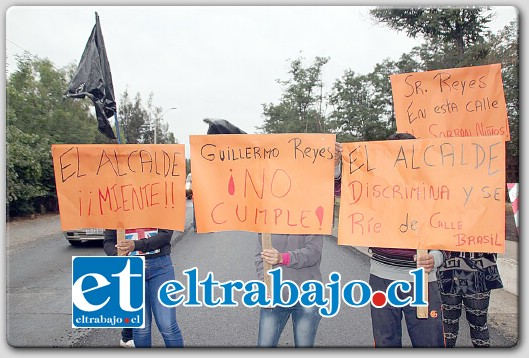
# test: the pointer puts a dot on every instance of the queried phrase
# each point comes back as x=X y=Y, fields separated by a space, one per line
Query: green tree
x=363 y=105
x=30 y=184
x=156 y=117
x=505 y=49
x=459 y=37
x=132 y=120
x=382 y=93
x=301 y=105
x=36 y=105
x=459 y=28
x=137 y=121
x=357 y=113
x=37 y=116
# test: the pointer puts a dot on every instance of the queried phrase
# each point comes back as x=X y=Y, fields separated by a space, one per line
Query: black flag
x=94 y=80
x=222 y=126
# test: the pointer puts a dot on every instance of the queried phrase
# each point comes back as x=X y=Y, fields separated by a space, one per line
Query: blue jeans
x=305 y=321
x=157 y=271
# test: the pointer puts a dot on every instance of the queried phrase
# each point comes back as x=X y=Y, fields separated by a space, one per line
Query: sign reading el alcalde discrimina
x=120 y=186
x=424 y=194
x=459 y=102
x=273 y=183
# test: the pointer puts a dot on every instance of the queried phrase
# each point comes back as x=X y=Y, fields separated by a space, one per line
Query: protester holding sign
x=127 y=339
x=155 y=245
x=298 y=257
x=466 y=279
x=389 y=265
x=464 y=102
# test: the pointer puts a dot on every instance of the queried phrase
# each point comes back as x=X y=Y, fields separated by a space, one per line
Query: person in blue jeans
x=299 y=258
x=155 y=245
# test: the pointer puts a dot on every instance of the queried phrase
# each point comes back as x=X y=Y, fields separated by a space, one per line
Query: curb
x=509 y=274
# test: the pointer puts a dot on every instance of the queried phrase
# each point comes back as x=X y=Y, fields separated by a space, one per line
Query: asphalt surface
x=190 y=249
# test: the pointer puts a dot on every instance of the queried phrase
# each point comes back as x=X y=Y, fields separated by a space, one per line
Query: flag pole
x=120 y=233
x=117 y=126
x=93 y=79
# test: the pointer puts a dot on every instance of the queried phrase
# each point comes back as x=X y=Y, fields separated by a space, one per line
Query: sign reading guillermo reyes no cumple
x=265 y=183
x=446 y=194
x=120 y=186
x=458 y=102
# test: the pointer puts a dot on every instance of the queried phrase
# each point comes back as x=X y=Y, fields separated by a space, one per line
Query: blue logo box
x=108 y=291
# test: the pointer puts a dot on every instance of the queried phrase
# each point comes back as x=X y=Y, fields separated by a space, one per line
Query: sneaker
x=127 y=344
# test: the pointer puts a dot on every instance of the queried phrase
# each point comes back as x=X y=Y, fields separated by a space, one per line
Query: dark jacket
x=468 y=272
x=161 y=240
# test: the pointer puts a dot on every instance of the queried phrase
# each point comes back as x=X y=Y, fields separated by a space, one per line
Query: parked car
x=189 y=187
x=77 y=237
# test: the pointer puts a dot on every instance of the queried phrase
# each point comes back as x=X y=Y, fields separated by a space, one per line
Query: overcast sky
x=211 y=61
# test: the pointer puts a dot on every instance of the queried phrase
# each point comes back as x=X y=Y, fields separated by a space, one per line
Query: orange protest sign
x=459 y=102
x=120 y=186
x=446 y=194
x=275 y=183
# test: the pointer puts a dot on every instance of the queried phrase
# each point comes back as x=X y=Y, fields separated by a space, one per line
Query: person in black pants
x=394 y=264
x=466 y=280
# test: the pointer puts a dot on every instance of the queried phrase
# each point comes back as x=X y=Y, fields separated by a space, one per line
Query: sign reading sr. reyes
x=459 y=102
x=275 y=183
x=119 y=186
x=424 y=194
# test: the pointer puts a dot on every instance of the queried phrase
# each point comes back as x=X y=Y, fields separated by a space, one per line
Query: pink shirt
x=286 y=258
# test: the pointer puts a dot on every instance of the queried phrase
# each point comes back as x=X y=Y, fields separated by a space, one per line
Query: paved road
x=226 y=255
x=39 y=293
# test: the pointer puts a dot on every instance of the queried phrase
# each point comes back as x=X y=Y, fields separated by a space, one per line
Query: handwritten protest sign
x=120 y=186
x=459 y=102
x=276 y=183
x=446 y=194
